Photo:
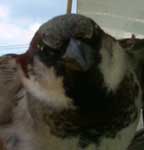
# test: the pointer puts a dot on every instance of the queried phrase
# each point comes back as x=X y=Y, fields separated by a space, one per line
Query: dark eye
x=48 y=54
x=46 y=50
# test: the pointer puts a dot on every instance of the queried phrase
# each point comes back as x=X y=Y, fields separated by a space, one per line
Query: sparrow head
x=73 y=64
x=64 y=50
x=72 y=56
x=70 y=38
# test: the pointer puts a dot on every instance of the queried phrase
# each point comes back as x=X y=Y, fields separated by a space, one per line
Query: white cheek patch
x=45 y=85
x=113 y=67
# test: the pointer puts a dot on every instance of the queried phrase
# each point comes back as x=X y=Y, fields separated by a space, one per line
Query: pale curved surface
x=120 y=18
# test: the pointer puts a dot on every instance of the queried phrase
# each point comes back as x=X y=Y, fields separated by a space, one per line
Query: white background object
x=121 y=18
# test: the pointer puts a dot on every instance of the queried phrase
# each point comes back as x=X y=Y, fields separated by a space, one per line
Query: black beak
x=78 y=55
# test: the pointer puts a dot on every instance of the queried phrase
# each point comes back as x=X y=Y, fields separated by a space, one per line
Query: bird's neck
x=23 y=60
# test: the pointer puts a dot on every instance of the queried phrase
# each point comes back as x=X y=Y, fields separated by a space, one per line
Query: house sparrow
x=135 y=47
x=80 y=88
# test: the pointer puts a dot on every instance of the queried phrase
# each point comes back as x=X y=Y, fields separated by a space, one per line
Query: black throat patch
x=98 y=112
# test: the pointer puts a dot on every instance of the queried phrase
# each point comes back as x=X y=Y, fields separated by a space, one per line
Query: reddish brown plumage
x=24 y=59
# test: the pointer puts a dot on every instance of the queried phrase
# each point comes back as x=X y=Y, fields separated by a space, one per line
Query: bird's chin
x=72 y=66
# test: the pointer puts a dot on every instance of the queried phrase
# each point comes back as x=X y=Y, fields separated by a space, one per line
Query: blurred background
x=19 y=20
x=118 y=17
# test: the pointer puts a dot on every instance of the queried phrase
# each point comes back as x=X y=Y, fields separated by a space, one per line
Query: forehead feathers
x=60 y=29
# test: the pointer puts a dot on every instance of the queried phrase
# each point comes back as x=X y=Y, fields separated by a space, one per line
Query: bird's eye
x=40 y=47
x=46 y=49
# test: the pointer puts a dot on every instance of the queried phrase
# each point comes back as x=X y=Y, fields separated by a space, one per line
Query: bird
x=76 y=88
x=135 y=47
